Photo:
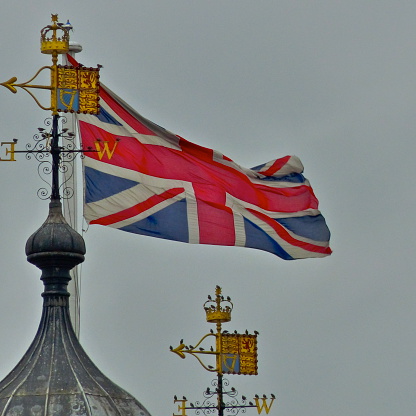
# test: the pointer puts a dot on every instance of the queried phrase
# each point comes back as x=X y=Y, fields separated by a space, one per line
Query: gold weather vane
x=73 y=89
x=235 y=354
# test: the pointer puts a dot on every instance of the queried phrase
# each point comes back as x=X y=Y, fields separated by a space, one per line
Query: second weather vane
x=235 y=354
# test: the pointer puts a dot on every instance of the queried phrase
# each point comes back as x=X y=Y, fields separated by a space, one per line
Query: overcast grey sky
x=332 y=82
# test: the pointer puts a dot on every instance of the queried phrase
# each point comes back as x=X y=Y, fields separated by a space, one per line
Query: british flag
x=146 y=180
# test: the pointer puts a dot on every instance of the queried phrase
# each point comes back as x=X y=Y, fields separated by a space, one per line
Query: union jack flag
x=146 y=180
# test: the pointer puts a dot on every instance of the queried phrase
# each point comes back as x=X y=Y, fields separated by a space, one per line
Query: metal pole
x=70 y=207
x=55 y=151
x=219 y=360
x=220 y=396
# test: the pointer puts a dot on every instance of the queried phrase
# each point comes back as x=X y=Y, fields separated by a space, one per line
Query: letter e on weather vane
x=9 y=151
x=181 y=407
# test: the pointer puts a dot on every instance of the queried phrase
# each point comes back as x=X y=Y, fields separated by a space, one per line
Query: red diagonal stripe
x=138 y=208
x=281 y=231
x=277 y=165
x=124 y=114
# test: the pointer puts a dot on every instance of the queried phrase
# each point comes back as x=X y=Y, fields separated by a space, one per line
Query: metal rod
x=220 y=396
x=56 y=157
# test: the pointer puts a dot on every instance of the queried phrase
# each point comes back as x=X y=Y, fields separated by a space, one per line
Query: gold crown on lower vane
x=218 y=310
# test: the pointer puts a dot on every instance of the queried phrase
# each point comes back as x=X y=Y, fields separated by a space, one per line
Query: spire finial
x=218 y=310
x=54 y=38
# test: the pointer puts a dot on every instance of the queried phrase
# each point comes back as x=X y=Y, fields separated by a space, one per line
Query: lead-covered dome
x=56 y=377
x=55 y=237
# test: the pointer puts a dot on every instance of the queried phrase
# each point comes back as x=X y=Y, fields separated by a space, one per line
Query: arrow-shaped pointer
x=10 y=84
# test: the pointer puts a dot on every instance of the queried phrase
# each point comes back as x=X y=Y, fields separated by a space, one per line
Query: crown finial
x=218 y=310
x=51 y=40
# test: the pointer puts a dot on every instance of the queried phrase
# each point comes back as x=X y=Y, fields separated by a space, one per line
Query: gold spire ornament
x=235 y=354
x=73 y=89
x=50 y=42
x=214 y=311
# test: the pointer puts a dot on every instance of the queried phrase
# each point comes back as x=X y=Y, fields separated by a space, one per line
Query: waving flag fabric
x=146 y=180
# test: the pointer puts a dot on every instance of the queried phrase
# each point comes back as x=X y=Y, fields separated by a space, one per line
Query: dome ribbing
x=56 y=377
x=55 y=235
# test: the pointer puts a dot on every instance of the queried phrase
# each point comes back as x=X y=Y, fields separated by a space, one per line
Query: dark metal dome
x=56 y=377
x=55 y=236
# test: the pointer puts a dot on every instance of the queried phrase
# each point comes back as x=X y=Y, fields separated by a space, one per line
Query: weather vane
x=234 y=354
x=74 y=89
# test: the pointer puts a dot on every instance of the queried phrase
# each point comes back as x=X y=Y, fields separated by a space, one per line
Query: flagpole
x=71 y=209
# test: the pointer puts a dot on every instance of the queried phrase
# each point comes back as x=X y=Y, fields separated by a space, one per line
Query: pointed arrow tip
x=9 y=84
